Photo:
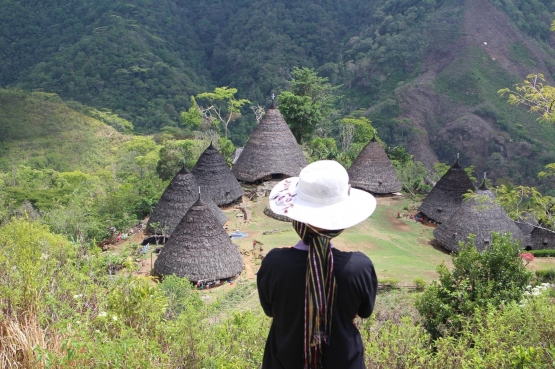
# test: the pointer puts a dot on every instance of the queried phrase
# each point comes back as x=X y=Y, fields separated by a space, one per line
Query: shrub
x=546 y=275
x=543 y=253
x=389 y=282
x=494 y=277
x=420 y=284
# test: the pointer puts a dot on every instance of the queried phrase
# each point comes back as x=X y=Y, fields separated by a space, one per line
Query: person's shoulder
x=355 y=257
x=279 y=252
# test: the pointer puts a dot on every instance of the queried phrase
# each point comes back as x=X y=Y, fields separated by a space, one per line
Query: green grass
x=39 y=130
x=399 y=248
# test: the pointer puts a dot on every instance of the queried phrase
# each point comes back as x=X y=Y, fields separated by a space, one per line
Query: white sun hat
x=322 y=197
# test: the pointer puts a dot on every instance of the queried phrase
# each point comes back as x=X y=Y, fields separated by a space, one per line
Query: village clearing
x=402 y=250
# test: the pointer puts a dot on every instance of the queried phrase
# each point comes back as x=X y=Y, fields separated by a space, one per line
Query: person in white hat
x=312 y=290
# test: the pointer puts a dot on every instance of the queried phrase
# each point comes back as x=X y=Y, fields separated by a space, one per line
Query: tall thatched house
x=270 y=152
x=480 y=216
x=372 y=171
x=215 y=178
x=199 y=249
x=446 y=196
x=178 y=197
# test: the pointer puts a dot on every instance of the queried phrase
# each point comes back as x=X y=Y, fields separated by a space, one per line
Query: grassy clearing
x=399 y=248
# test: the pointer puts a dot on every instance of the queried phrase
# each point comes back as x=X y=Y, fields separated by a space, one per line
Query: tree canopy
x=309 y=104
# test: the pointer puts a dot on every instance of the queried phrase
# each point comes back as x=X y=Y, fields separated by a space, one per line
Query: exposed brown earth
x=440 y=120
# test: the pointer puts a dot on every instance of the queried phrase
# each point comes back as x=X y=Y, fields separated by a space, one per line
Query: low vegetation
x=61 y=309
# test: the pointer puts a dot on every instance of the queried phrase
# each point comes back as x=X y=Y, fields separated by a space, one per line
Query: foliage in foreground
x=494 y=277
x=60 y=309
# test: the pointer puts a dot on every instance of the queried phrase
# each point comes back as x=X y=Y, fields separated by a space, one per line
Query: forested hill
x=425 y=72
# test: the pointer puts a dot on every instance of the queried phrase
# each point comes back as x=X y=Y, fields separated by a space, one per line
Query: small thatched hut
x=372 y=171
x=270 y=152
x=479 y=216
x=178 y=197
x=215 y=178
x=199 y=249
x=542 y=239
x=446 y=196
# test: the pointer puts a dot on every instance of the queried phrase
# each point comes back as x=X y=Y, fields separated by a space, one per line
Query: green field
x=399 y=248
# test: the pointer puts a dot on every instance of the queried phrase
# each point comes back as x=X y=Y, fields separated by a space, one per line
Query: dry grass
x=19 y=340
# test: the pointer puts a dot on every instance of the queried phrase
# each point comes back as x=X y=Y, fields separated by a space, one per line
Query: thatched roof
x=446 y=196
x=215 y=178
x=199 y=248
x=372 y=170
x=270 y=150
x=479 y=215
x=178 y=197
x=542 y=239
x=236 y=153
x=527 y=222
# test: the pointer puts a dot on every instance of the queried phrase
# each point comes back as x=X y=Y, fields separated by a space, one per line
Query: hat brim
x=358 y=206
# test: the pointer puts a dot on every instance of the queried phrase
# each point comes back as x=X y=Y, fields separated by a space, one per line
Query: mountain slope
x=39 y=130
x=139 y=58
x=425 y=72
x=454 y=103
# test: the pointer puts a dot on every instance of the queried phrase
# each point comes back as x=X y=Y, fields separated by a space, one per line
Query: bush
x=547 y=276
x=543 y=253
x=389 y=282
x=494 y=277
x=420 y=284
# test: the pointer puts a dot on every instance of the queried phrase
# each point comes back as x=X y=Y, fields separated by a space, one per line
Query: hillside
x=454 y=103
x=39 y=130
x=425 y=72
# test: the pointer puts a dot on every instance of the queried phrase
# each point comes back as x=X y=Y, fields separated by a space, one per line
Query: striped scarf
x=319 y=297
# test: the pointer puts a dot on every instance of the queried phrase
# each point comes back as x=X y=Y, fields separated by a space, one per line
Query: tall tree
x=223 y=105
x=309 y=103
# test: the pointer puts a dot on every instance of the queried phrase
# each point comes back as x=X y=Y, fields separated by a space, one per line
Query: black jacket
x=281 y=287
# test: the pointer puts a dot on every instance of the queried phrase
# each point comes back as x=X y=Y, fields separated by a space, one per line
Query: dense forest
x=142 y=61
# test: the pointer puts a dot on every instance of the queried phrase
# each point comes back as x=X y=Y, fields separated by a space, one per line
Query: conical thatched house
x=446 y=196
x=215 y=178
x=480 y=216
x=178 y=197
x=199 y=249
x=372 y=170
x=270 y=152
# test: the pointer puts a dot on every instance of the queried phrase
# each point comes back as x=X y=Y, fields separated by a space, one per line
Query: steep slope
x=453 y=105
x=139 y=58
x=425 y=72
x=38 y=129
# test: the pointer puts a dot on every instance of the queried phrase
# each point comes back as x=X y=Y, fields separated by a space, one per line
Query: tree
x=258 y=111
x=412 y=175
x=494 y=277
x=539 y=98
x=173 y=156
x=192 y=118
x=223 y=105
x=356 y=130
x=322 y=149
x=309 y=103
